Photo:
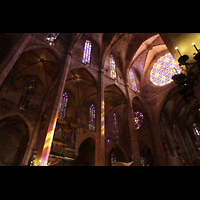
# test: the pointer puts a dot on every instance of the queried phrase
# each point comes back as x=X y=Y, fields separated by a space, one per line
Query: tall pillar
x=154 y=124
x=36 y=133
x=13 y=55
x=133 y=135
x=50 y=123
x=100 y=123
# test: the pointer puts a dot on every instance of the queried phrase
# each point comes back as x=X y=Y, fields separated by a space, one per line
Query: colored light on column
x=102 y=118
x=47 y=144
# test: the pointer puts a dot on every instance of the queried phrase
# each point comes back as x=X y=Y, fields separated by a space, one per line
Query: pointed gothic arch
x=14 y=136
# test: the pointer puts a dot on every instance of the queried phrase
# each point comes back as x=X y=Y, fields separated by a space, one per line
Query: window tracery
x=113 y=73
x=28 y=91
x=51 y=39
x=196 y=130
x=133 y=80
x=87 y=52
x=92 y=117
x=138 y=119
x=63 y=106
x=163 y=70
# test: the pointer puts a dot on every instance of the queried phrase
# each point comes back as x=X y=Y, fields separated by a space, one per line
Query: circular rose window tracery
x=138 y=119
x=163 y=70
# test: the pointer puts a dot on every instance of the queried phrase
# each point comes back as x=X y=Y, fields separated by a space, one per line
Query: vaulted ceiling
x=40 y=63
x=123 y=46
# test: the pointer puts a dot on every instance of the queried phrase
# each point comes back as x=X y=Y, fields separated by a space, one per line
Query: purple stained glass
x=92 y=118
x=196 y=130
x=87 y=52
x=51 y=39
x=113 y=158
x=133 y=80
x=63 y=106
x=138 y=119
x=163 y=70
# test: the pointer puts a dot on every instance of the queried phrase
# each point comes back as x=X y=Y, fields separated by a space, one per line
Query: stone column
x=36 y=133
x=154 y=125
x=76 y=144
x=133 y=135
x=49 y=127
x=13 y=55
x=100 y=123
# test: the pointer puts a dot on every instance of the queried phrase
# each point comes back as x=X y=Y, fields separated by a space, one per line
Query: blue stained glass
x=51 y=39
x=196 y=130
x=113 y=158
x=138 y=118
x=163 y=70
x=87 y=52
x=133 y=80
x=63 y=106
x=92 y=117
x=28 y=91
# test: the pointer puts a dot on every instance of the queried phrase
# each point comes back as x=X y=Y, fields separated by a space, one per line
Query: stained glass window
x=28 y=91
x=63 y=106
x=113 y=73
x=142 y=159
x=87 y=52
x=163 y=70
x=116 y=127
x=196 y=130
x=133 y=80
x=51 y=39
x=113 y=158
x=92 y=118
x=138 y=119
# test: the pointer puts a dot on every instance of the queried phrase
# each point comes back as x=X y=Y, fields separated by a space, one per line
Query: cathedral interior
x=99 y=99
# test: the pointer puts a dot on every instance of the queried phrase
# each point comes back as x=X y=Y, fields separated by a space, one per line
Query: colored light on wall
x=102 y=118
x=47 y=144
x=138 y=118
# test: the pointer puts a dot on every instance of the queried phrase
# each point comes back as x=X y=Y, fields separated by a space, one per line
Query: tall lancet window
x=63 y=106
x=87 y=52
x=28 y=91
x=92 y=118
x=196 y=130
x=115 y=126
x=113 y=158
x=51 y=39
x=133 y=80
x=113 y=73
